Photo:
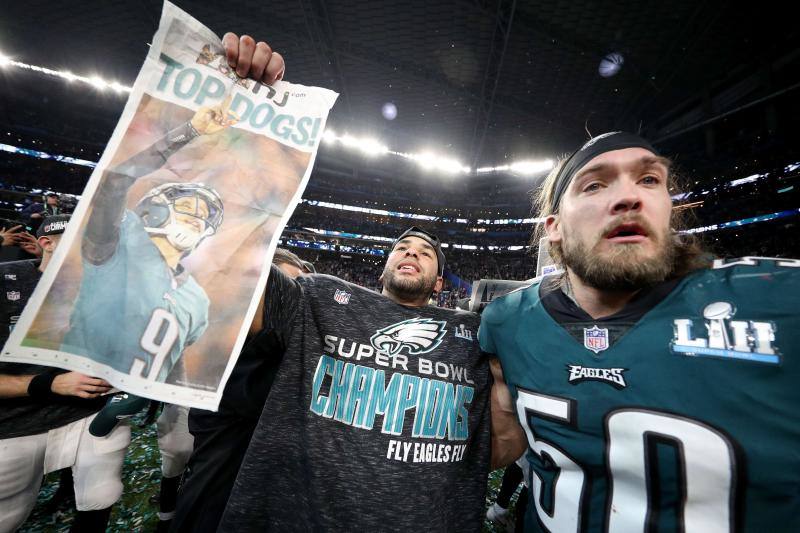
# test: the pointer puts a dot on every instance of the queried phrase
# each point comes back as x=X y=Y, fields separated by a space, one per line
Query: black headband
x=428 y=237
x=607 y=142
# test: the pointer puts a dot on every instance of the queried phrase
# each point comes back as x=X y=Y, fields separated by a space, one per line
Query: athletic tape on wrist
x=40 y=387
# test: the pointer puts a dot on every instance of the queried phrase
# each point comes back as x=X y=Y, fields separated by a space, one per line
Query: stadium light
x=486 y=170
x=525 y=167
x=531 y=167
x=425 y=159
x=95 y=81
x=44 y=155
x=372 y=147
x=367 y=146
x=431 y=161
x=329 y=137
x=349 y=141
x=98 y=82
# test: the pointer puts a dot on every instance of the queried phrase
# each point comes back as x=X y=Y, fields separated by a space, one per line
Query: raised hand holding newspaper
x=159 y=273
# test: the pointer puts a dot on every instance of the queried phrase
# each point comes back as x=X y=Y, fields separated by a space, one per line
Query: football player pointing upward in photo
x=138 y=308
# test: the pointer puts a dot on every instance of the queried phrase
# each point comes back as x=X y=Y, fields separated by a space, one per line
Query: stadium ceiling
x=486 y=81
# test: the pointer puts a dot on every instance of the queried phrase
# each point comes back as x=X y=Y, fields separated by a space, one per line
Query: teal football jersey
x=690 y=421
x=133 y=313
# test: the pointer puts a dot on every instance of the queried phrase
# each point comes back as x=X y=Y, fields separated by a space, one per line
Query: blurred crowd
x=20 y=217
x=21 y=213
x=735 y=194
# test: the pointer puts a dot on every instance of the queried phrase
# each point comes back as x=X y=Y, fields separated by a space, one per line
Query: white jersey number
x=157 y=344
x=707 y=463
x=755 y=261
x=567 y=487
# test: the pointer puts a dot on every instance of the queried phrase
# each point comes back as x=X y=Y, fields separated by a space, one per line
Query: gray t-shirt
x=378 y=419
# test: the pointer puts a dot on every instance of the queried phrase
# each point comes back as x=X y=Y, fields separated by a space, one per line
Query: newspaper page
x=159 y=273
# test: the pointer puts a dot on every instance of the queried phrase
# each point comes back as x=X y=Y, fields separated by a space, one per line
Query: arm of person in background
x=508 y=438
x=54 y=382
x=14 y=386
x=34 y=211
x=29 y=243
x=102 y=231
x=10 y=236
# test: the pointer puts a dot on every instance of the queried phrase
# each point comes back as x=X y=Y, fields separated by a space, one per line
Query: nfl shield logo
x=342 y=297
x=13 y=295
x=595 y=339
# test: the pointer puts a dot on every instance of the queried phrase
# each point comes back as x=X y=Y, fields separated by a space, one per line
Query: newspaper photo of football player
x=143 y=248
x=161 y=271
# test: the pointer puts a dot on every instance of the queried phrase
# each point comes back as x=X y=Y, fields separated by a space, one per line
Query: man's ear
x=46 y=243
x=437 y=288
x=552 y=227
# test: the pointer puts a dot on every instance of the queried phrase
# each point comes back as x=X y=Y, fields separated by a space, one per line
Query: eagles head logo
x=415 y=336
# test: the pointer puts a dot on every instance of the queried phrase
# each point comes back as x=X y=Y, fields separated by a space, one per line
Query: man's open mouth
x=408 y=267
x=628 y=232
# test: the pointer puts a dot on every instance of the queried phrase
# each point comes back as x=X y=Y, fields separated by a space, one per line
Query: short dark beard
x=408 y=290
x=620 y=270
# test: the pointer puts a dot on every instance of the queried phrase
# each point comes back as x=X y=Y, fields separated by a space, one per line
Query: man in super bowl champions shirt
x=379 y=416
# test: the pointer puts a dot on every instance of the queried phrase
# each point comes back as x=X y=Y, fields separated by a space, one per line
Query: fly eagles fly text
x=356 y=394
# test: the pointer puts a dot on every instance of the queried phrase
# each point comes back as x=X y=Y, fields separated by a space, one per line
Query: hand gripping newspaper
x=160 y=271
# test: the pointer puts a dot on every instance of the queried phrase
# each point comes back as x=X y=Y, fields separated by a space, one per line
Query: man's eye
x=650 y=180
x=591 y=187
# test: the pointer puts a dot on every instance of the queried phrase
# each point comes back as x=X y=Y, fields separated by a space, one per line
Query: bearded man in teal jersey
x=655 y=390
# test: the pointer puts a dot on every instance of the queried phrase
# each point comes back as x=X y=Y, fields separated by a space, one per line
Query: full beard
x=624 y=267
x=408 y=289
